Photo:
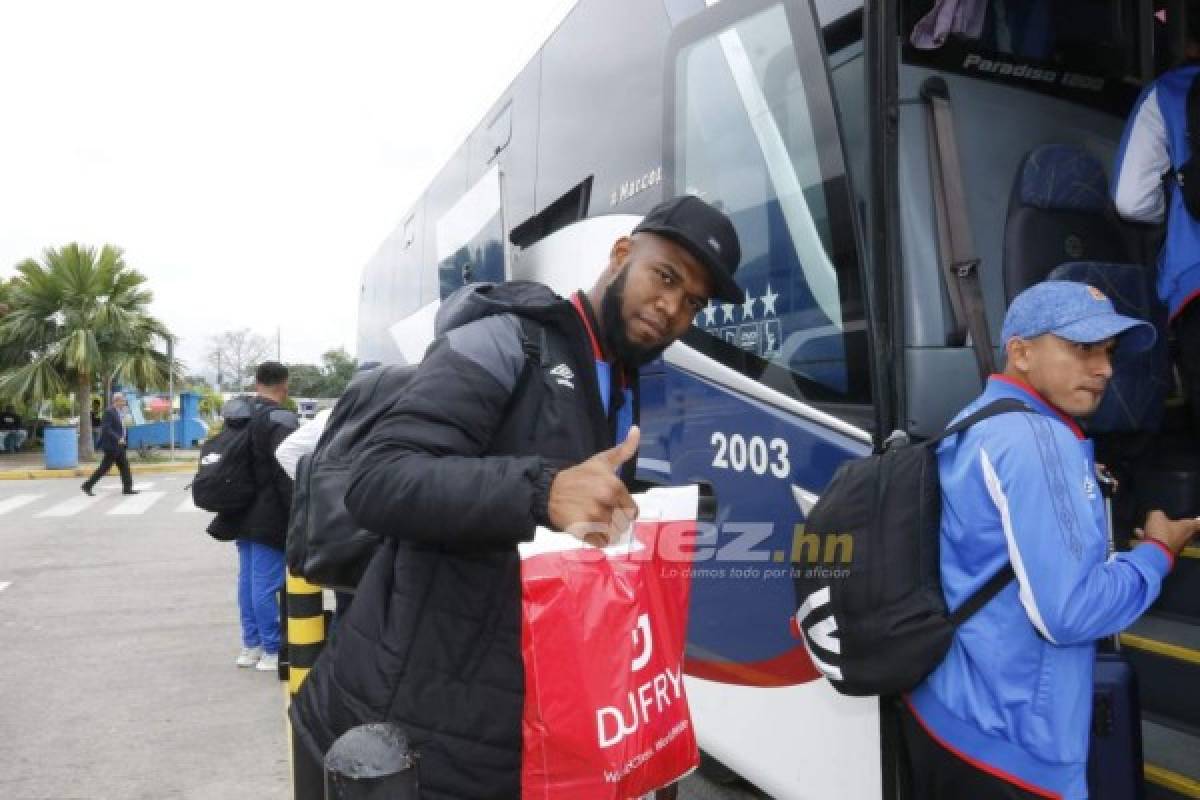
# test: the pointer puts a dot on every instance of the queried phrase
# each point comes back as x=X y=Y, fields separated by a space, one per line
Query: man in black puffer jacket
x=261 y=530
x=520 y=415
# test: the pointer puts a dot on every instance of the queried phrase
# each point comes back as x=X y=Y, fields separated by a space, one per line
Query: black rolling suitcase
x=1115 y=753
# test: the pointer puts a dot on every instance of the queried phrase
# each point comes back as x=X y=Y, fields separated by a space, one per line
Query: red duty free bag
x=603 y=630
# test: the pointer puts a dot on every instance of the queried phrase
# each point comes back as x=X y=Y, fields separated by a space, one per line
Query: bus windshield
x=756 y=135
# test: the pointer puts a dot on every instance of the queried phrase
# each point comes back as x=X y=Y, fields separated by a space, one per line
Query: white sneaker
x=249 y=656
x=268 y=663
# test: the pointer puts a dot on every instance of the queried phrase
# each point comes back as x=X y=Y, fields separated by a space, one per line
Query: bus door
x=764 y=399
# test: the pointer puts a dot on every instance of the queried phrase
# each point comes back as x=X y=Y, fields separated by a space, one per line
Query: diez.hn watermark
x=740 y=550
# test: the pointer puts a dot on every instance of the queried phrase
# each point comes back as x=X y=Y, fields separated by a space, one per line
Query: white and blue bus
x=810 y=124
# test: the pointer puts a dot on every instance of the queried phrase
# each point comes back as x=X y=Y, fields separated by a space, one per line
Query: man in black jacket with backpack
x=261 y=527
x=520 y=415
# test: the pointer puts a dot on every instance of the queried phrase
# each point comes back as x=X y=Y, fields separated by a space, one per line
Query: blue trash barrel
x=62 y=446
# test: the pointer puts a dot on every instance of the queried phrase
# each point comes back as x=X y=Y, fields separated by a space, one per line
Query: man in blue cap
x=1007 y=713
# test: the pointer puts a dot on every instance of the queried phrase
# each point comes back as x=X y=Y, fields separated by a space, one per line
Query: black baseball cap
x=704 y=232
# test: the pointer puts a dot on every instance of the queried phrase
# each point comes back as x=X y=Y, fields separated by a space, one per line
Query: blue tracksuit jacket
x=1014 y=694
x=1155 y=143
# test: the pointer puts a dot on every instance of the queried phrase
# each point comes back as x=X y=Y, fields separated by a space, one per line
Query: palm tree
x=80 y=317
x=9 y=356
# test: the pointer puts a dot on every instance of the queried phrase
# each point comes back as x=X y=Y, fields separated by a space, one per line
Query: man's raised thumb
x=625 y=450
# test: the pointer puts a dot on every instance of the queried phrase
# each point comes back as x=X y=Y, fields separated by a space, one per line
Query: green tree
x=10 y=355
x=305 y=380
x=210 y=400
x=210 y=397
x=328 y=380
x=81 y=319
x=338 y=367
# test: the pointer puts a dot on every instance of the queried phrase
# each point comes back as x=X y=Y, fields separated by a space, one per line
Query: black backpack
x=867 y=572
x=324 y=544
x=224 y=480
x=1187 y=177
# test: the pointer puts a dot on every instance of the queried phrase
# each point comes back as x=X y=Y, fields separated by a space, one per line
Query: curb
x=83 y=472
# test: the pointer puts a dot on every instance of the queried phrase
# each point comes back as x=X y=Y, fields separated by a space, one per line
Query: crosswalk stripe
x=187 y=506
x=4 y=585
x=138 y=503
x=70 y=507
x=114 y=487
x=16 y=501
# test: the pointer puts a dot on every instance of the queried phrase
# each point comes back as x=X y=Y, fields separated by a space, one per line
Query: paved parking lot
x=118 y=624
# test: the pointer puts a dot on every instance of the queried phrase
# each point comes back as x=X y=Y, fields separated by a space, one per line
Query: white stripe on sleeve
x=1014 y=553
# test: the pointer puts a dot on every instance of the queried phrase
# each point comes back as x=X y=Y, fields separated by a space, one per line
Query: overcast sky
x=248 y=156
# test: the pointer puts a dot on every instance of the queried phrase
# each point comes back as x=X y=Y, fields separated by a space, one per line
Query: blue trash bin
x=62 y=446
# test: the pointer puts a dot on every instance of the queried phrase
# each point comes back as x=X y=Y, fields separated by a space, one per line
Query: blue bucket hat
x=1076 y=312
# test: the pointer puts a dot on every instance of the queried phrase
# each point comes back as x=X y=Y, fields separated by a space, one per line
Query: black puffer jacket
x=455 y=476
x=265 y=521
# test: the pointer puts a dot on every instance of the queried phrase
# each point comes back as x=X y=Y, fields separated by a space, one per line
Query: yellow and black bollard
x=305 y=638
x=305 y=629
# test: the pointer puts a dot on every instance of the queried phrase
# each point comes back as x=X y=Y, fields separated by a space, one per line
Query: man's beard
x=626 y=352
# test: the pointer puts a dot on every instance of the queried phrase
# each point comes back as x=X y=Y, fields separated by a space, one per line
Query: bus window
x=755 y=134
x=1081 y=50
x=847 y=71
x=470 y=237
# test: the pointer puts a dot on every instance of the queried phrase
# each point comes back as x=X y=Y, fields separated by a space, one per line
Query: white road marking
x=115 y=487
x=138 y=503
x=4 y=585
x=16 y=501
x=70 y=507
x=187 y=506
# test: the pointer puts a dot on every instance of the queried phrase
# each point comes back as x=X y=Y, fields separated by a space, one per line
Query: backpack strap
x=533 y=341
x=1003 y=406
x=983 y=595
x=1005 y=574
x=1183 y=173
x=1193 y=117
x=536 y=348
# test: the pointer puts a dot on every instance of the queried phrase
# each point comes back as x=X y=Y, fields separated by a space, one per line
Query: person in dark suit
x=112 y=442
